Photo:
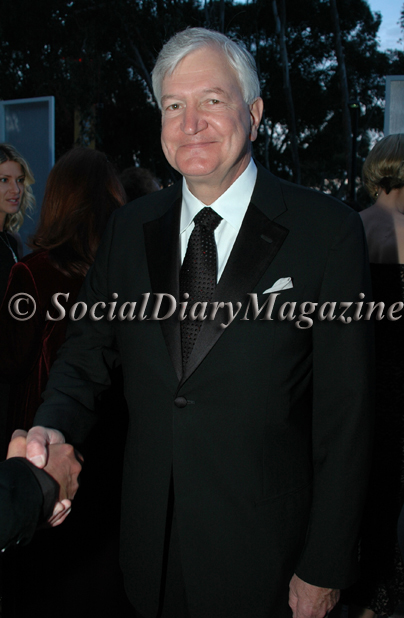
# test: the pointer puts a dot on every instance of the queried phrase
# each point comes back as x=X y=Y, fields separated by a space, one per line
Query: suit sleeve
x=82 y=371
x=27 y=497
x=342 y=422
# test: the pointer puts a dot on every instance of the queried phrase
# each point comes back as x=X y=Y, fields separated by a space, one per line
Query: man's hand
x=308 y=601
x=64 y=465
x=65 y=468
x=61 y=463
x=38 y=440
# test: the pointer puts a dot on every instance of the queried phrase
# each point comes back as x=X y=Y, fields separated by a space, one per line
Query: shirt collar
x=231 y=205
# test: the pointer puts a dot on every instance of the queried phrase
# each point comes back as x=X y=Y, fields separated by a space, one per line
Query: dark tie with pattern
x=198 y=273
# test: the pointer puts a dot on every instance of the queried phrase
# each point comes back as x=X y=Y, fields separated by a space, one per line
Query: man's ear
x=256 y=110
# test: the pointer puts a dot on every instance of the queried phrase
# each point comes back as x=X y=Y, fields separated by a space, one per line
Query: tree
x=343 y=83
x=280 y=31
x=96 y=57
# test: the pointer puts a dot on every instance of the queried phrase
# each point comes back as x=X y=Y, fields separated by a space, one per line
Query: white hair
x=193 y=39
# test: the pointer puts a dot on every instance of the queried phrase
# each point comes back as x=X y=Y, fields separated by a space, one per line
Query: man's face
x=207 y=127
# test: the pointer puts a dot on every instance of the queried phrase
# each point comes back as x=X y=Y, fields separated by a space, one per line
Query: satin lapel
x=256 y=245
x=163 y=258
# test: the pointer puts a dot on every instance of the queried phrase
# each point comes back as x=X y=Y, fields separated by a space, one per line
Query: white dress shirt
x=231 y=206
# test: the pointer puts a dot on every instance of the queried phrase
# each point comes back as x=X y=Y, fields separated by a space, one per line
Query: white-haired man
x=247 y=448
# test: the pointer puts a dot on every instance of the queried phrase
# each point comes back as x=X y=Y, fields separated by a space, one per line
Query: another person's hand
x=308 y=601
x=38 y=440
x=64 y=466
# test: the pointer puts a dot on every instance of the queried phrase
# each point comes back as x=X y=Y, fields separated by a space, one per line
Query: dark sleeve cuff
x=49 y=488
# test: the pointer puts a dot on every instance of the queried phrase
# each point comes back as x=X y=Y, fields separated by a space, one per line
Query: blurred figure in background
x=16 y=198
x=381 y=587
x=82 y=191
x=138 y=181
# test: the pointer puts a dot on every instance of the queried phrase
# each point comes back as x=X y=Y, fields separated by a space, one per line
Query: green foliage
x=315 y=84
x=96 y=57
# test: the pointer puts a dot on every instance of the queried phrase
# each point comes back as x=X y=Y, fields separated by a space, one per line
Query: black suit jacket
x=27 y=497
x=267 y=432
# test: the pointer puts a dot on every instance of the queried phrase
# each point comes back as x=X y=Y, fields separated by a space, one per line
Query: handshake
x=60 y=461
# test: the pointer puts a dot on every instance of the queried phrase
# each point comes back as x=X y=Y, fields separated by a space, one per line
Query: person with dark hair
x=380 y=588
x=16 y=198
x=82 y=191
x=138 y=181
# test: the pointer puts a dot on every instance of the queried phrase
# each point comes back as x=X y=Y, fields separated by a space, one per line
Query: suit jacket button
x=180 y=402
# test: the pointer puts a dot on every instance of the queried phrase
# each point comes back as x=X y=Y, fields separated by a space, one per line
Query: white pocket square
x=282 y=284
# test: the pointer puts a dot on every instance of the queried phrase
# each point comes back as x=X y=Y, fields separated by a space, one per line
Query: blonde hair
x=384 y=165
x=14 y=222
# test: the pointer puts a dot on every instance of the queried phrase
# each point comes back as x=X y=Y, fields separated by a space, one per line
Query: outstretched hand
x=38 y=440
x=308 y=601
x=64 y=465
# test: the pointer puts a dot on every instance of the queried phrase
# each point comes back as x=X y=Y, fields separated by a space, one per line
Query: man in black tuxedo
x=247 y=450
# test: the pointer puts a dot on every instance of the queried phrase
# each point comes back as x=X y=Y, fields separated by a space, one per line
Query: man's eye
x=4 y=180
x=214 y=101
x=174 y=106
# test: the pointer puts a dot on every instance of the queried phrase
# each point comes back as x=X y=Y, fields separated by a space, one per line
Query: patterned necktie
x=198 y=273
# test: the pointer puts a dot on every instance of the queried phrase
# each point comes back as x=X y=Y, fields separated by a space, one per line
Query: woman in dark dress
x=81 y=193
x=16 y=198
x=381 y=586
x=78 y=561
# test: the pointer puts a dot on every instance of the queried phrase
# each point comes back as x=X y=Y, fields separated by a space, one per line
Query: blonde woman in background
x=82 y=191
x=16 y=198
x=381 y=587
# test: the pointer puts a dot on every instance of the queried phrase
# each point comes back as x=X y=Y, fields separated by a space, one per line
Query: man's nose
x=193 y=121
